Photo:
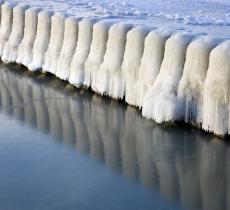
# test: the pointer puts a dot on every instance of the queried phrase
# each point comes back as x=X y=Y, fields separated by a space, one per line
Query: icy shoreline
x=170 y=75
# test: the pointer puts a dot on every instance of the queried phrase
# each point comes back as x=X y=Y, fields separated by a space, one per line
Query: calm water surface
x=63 y=148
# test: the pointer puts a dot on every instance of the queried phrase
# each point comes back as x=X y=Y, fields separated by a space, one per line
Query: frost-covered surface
x=170 y=74
x=188 y=14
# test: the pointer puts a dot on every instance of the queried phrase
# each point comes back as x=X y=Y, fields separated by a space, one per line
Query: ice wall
x=68 y=48
x=172 y=76
x=9 y=53
x=41 y=41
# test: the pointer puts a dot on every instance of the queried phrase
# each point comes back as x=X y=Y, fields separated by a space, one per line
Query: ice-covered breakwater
x=171 y=76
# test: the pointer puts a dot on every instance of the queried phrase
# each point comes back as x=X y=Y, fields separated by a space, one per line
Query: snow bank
x=55 y=44
x=42 y=40
x=68 y=48
x=9 y=53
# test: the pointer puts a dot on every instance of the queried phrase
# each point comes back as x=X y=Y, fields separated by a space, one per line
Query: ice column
x=42 y=40
x=97 y=51
x=131 y=62
x=109 y=76
x=25 y=48
x=82 y=51
x=216 y=91
x=55 y=45
x=9 y=53
x=160 y=101
x=68 y=47
x=6 y=24
x=190 y=91
x=150 y=62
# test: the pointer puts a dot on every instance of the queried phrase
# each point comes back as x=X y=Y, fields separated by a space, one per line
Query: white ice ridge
x=6 y=24
x=160 y=100
x=25 y=55
x=55 y=43
x=42 y=40
x=170 y=76
x=77 y=71
x=9 y=53
x=68 y=47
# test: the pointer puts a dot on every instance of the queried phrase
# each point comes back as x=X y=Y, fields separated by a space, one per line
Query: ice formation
x=190 y=90
x=172 y=76
x=97 y=51
x=6 y=24
x=77 y=71
x=25 y=48
x=132 y=58
x=68 y=48
x=109 y=76
x=42 y=40
x=160 y=100
x=216 y=91
x=10 y=49
x=150 y=62
x=55 y=43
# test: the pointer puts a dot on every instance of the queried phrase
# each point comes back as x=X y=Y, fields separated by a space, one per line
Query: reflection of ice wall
x=166 y=74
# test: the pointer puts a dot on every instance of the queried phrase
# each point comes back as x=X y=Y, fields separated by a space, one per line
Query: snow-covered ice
x=176 y=72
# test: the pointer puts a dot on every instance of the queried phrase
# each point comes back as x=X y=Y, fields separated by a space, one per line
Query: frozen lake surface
x=61 y=148
x=210 y=16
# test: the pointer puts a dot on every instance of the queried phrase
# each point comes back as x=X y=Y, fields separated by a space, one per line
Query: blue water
x=64 y=148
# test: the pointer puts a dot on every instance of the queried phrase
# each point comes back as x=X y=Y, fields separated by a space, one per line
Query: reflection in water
x=181 y=164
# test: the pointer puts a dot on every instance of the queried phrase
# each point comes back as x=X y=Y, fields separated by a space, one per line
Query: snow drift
x=171 y=76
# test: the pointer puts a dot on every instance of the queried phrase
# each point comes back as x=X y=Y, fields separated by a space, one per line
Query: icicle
x=108 y=79
x=150 y=62
x=25 y=48
x=82 y=51
x=6 y=24
x=68 y=47
x=97 y=51
x=9 y=53
x=159 y=102
x=42 y=40
x=190 y=91
x=132 y=58
x=216 y=91
x=55 y=44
